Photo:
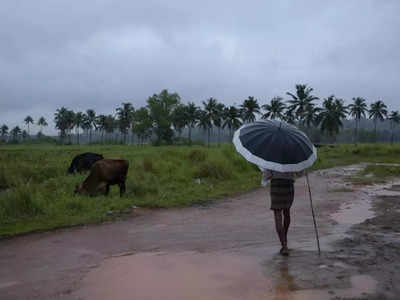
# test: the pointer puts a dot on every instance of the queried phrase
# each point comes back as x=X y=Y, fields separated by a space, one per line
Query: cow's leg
x=121 y=188
x=107 y=189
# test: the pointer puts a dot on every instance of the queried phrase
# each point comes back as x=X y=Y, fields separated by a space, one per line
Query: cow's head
x=80 y=189
x=71 y=170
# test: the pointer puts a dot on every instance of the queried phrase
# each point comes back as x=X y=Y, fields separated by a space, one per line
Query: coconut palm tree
x=125 y=115
x=289 y=116
x=211 y=113
x=42 y=123
x=310 y=117
x=219 y=120
x=110 y=125
x=64 y=120
x=79 y=118
x=90 y=122
x=204 y=123
x=4 y=132
x=394 y=118
x=24 y=135
x=15 y=133
x=232 y=119
x=377 y=111
x=28 y=120
x=101 y=125
x=274 y=110
x=357 y=110
x=192 y=117
x=300 y=102
x=249 y=108
x=332 y=113
x=179 y=119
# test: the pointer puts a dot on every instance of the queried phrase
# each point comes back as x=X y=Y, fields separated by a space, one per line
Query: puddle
x=188 y=275
x=360 y=285
x=8 y=284
x=211 y=276
x=354 y=213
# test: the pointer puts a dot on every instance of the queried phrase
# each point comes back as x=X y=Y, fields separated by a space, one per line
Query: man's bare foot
x=284 y=251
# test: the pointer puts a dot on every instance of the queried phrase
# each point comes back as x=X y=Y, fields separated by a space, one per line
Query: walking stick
x=313 y=215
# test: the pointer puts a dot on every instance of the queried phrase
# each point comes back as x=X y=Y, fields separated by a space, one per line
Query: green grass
x=346 y=154
x=37 y=194
x=382 y=171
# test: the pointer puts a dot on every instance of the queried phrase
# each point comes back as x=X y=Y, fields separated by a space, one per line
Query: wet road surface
x=227 y=250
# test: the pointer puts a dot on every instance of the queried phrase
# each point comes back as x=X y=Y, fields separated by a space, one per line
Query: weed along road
x=227 y=249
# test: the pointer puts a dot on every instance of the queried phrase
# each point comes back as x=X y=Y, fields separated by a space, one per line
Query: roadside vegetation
x=167 y=119
x=37 y=194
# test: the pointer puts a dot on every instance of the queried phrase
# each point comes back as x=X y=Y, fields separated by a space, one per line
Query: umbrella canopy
x=275 y=145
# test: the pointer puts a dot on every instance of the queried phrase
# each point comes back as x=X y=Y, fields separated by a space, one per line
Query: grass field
x=37 y=194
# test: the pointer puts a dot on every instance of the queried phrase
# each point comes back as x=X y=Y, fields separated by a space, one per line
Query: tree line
x=165 y=118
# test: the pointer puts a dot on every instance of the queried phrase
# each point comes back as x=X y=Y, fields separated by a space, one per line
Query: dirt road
x=225 y=250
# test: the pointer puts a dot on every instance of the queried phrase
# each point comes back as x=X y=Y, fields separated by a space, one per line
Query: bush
x=197 y=155
x=213 y=170
x=148 y=165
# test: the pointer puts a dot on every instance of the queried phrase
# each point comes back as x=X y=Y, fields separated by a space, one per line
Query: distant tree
x=179 y=118
x=161 y=107
x=15 y=133
x=301 y=101
x=248 y=109
x=211 y=113
x=310 y=117
x=143 y=124
x=110 y=125
x=79 y=119
x=125 y=115
x=232 y=119
x=4 y=132
x=219 y=119
x=357 y=110
x=42 y=123
x=289 y=116
x=274 y=110
x=90 y=122
x=332 y=114
x=64 y=120
x=204 y=121
x=394 y=119
x=101 y=125
x=24 y=135
x=377 y=112
x=28 y=120
x=70 y=118
x=192 y=117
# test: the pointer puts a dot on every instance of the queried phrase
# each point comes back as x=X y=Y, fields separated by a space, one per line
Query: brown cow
x=103 y=173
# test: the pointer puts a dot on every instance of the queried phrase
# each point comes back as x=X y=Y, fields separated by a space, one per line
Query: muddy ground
x=224 y=250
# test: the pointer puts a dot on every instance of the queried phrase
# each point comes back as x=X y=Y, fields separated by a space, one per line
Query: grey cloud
x=96 y=54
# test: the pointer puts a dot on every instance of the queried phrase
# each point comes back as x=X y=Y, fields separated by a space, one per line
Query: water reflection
x=285 y=283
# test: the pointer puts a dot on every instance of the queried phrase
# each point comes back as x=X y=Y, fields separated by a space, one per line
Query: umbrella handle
x=313 y=214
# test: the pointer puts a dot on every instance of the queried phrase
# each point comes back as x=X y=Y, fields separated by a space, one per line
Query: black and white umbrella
x=275 y=145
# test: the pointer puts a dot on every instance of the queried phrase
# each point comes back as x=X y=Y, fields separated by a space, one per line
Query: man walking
x=282 y=196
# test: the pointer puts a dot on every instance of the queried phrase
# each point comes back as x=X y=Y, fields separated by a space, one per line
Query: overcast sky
x=99 y=53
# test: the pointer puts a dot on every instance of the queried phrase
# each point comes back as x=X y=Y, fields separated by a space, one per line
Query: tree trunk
x=356 y=133
x=208 y=136
x=190 y=135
